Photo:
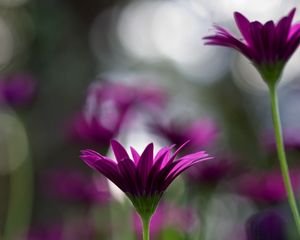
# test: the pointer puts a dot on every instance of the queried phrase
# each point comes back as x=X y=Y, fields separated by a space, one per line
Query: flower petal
x=243 y=25
x=145 y=164
x=119 y=150
x=135 y=155
x=284 y=25
x=130 y=180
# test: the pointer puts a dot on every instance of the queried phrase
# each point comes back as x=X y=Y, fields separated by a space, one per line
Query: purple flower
x=17 y=90
x=108 y=107
x=122 y=97
x=76 y=187
x=166 y=215
x=266 y=225
x=210 y=172
x=143 y=178
x=267 y=186
x=73 y=229
x=95 y=130
x=268 y=46
x=200 y=133
x=54 y=232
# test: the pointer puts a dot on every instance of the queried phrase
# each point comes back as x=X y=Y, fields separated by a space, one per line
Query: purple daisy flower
x=143 y=178
x=268 y=46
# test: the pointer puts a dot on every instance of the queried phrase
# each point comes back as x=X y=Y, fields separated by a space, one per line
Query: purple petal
x=226 y=39
x=156 y=170
x=108 y=168
x=145 y=163
x=128 y=171
x=283 y=28
x=243 y=25
x=119 y=150
x=292 y=45
x=295 y=28
x=179 y=168
x=161 y=152
x=135 y=155
x=284 y=25
x=172 y=158
x=269 y=41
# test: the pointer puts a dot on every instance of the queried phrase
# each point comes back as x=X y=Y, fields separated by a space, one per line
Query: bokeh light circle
x=13 y=143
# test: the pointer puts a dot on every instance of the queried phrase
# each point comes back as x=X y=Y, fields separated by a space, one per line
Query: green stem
x=146 y=226
x=20 y=201
x=282 y=156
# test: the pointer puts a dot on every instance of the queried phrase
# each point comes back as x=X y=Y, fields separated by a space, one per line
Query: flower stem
x=20 y=201
x=282 y=156
x=146 y=226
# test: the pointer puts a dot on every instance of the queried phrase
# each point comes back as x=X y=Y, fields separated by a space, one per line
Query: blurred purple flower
x=291 y=140
x=200 y=133
x=54 y=232
x=17 y=90
x=96 y=131
x=166 y=215
x=268 y=225
x=109 y=106
x=122 y=97
x=73 y=229
x=210 y=172
x=145 y=178
x=267 y=186
x=76 y=187
x=268 y=46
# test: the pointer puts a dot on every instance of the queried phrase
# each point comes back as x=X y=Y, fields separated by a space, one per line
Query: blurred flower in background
x=267 y=186
x=76 y=229
x=17 y=90
x=74 y=186
x=265 y=225
x=199 y=133
x=212 y=172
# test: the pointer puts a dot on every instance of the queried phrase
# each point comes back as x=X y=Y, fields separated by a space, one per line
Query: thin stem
x=282 y=156
x=146 y=226
x=20 y=201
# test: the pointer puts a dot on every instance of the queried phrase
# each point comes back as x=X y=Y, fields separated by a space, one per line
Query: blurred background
x=76 y=74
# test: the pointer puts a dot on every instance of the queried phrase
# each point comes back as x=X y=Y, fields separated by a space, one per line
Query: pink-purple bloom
x=199 y=133
x=267 y=225
x=17 y=90
x=74 y=186
x=73 y=229
x=210 y=172
x=121 y=97
x=94 y=130
x=145 y=177
x=108 y=107
x=267 y=186
x=268 y=46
